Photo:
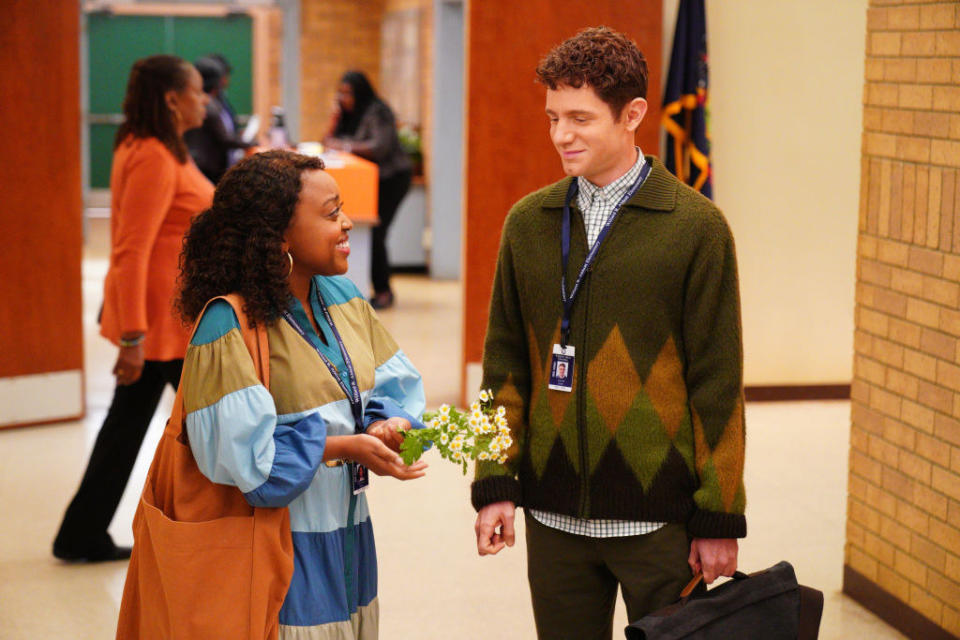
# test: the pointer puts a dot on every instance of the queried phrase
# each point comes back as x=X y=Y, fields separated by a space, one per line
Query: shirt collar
x=612 y=191
x=657 y=193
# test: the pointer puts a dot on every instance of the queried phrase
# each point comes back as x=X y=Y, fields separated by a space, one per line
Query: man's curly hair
x=236 y=246
x=602 y=58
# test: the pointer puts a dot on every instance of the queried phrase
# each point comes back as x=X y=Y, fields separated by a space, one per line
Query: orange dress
x=153 y=200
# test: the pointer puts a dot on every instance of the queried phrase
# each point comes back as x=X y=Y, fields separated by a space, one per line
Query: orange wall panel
x=41 y=217
x=509 y=152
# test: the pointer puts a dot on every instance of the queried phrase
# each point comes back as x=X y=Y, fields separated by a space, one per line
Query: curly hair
x=236 y=246
x=145 y=110
x=602 y=58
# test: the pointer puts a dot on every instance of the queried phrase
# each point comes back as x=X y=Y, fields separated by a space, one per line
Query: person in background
x=277 y=235
x=213 y=144
x=224 y=85
x=155 y=191
x=631 y=472
x=363 y=124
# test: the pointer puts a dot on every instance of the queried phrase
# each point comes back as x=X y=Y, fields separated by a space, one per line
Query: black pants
x=574 y=579
x=391 y=193
x=84 y=527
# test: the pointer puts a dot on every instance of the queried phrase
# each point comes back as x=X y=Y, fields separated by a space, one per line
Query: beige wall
x=786 y=83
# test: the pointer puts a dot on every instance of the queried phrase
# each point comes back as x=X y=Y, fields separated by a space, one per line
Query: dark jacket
x=210 y=145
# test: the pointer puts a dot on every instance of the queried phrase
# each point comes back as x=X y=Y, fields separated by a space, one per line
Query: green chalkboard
x=115 y=42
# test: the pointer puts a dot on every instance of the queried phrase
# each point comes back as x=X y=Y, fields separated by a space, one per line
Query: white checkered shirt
x=594 y=528
x=597 y=204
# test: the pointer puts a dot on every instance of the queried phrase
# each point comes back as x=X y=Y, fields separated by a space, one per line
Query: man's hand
x=388 y=431
x=498 y=514
x=714 y=557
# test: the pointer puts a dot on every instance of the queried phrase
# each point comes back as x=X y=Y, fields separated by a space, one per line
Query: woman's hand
x=339 y=144
x=388 y=431
x=336 y=112
x=129 y=365
x=376 y=456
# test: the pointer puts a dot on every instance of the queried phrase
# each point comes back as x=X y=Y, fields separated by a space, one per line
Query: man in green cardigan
x=614 y=344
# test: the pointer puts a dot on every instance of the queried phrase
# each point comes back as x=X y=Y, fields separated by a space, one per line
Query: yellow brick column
x=902 y=556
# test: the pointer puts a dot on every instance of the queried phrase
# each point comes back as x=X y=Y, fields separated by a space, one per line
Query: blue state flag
x=685 y=100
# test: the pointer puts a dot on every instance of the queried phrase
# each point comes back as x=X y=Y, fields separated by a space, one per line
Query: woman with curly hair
x=155 y=190
x=277 y=236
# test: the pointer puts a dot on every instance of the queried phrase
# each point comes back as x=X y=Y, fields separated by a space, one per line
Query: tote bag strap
x=255 y=339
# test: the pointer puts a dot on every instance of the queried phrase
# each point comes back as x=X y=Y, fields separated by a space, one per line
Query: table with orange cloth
x=358 y=180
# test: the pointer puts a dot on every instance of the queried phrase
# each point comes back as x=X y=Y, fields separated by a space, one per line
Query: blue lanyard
x=568 y=300
x=353 y=390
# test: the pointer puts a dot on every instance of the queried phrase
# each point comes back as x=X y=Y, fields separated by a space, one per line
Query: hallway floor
x=432 y=583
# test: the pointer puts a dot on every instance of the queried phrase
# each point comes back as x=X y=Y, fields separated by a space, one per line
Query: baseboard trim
x=41 y=398
x=43 y=423
x=891 y=609
x=410 y=269
x=773 y=393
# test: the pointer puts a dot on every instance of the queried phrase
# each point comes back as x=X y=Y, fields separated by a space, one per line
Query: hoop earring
x=290 y=257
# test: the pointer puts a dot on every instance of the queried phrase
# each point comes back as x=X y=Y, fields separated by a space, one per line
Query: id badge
x=360 y=476
x=561 y=369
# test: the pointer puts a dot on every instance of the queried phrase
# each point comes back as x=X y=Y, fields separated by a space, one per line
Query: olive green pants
x=574 y=579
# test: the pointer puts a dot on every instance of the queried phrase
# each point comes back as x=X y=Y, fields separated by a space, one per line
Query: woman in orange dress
x=156 y=190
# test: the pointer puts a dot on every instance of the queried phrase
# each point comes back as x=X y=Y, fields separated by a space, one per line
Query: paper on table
x=310 y=148
x=333 y=159
x=251 y=130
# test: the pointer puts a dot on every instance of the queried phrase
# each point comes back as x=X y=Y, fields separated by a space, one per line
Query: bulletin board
x=115 y=42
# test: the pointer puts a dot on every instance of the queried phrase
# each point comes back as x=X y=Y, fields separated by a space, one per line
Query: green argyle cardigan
x=654 y=428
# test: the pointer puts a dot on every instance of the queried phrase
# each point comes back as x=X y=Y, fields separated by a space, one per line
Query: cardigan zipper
x=581 y=402
x=582 y=390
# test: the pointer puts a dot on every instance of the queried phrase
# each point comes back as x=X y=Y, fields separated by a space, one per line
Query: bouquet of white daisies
x=460 y=436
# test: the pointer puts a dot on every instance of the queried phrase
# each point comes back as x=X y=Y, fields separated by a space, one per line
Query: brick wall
x=335 y=35
x=425 y=79
x=903 y=520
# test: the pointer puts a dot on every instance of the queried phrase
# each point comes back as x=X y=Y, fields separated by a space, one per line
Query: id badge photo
x=360 y=477
x=561 y=369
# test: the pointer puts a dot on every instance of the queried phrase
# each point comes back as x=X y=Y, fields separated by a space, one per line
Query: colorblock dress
x=270 y=443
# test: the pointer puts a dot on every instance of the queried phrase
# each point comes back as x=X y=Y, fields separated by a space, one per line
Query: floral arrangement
x=460 y=436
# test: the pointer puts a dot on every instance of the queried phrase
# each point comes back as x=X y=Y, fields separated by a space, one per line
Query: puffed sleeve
x=231 y=419
x=398 y=387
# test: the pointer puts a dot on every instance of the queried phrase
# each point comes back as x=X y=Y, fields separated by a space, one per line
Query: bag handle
x=688 y=590
x=254 y=337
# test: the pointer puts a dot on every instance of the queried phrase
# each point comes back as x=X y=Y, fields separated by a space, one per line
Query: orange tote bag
x=205 y=563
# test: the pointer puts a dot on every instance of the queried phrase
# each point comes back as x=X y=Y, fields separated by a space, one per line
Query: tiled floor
x=432 y=584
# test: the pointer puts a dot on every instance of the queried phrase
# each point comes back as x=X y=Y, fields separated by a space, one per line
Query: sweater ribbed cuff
x=713 y=524
x=494 y=489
